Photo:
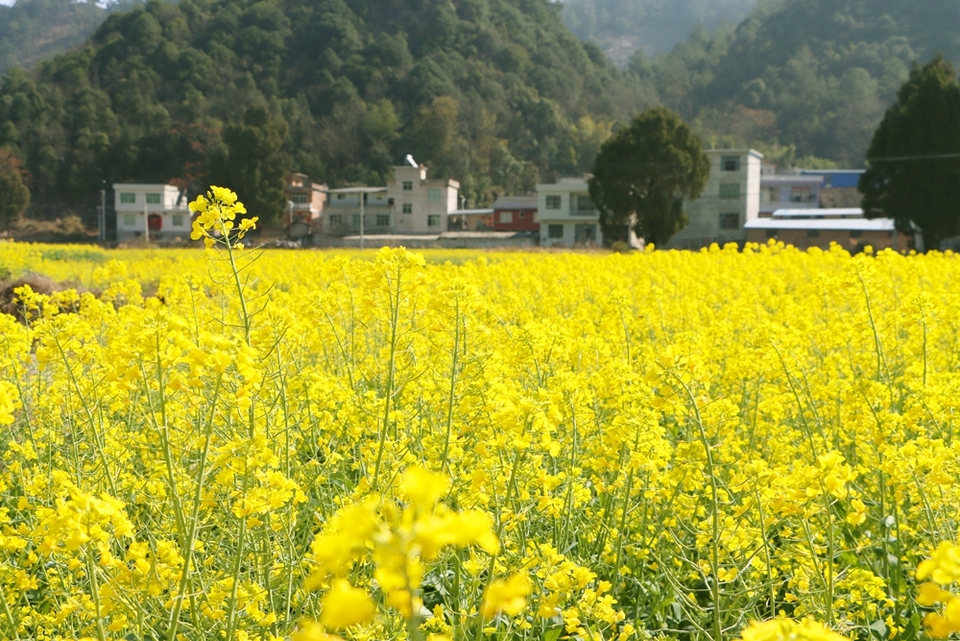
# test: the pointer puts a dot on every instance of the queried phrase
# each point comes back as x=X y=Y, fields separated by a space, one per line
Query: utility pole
x=102 y=222
x=362 y=196
x=146 y=220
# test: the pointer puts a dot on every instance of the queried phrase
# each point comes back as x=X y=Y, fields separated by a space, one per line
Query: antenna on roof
x=410 y=161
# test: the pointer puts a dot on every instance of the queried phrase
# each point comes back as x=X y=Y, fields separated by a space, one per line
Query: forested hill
x=813 y=74
x=496 y=93
x=620 y=27
x=32 y=30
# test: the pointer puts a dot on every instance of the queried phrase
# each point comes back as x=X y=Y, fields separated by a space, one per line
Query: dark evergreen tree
x=14 y=195
x=643 y=174
x=914 y=168
x=255 y=164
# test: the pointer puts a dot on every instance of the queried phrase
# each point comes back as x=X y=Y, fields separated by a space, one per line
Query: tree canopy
x=913 y=159
x=14 y=195
x=643 y=174
x=801 y=80
x=495 y=93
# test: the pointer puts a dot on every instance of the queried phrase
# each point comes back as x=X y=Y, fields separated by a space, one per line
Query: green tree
x=14 y=195
x=255 y=166
x=643 y=174
x=913 y=168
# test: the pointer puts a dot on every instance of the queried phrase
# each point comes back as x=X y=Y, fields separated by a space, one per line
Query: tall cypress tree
x=255 y=166
x=914 y=158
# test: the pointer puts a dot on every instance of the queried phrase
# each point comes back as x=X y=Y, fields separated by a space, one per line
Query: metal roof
x=819 y=213
x=516 y=202
x=470 y=212
x=356 y=190
x=788 y=178
x=825 y=224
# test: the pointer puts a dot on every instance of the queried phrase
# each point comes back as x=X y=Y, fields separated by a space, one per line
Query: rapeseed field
x=308 y=446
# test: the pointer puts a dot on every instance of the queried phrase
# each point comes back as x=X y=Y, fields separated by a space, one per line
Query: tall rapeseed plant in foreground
x=297 y=445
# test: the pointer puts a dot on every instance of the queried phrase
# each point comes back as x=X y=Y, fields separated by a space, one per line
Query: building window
x=801 y=195
x=554 y=231
x=433 y=220
x=177 y=220
x=434 y=195
x=553 y=201
x=584 y=203
x=771 y=233
x=856 y=233
x=408 y=185
x=407 y=208
x=813 y=233
x=153 y=199
x=341 y=196
x=336 y=220
x=356 y=220
x=383 y=220
x=729 y=221
x=128 y=199
x=506 y=217
x=129 y=220
x=770 y=195
x=730 y=163
x=730 y=191
x=299 y=199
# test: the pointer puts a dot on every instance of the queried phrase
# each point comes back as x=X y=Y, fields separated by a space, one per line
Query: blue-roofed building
x=835 y=178
x=838 y=187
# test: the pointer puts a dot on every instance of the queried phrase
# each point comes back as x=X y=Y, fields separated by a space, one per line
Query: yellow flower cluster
x=215 y=216
x=943 y=568
x=307 y=446
x=782 y=629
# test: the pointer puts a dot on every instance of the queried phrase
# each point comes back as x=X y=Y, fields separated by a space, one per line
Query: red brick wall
x=524 y=223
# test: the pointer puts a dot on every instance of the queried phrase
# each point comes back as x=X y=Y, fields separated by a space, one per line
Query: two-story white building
x=151 y=212
x=409 y=204
x=567 y=216
x=730 y=199
x=788 y=191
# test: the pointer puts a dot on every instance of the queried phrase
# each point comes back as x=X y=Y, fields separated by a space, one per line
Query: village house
x=151 y=212
x=409 y=204
x=566 y=215
x=730 y=199
x=838 y=187
x=470 y=220
x=805 y=228
x=793 y=191
x=516 y=213
x=305 y=200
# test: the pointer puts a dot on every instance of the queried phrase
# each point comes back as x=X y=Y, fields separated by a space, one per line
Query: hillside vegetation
x=620 y=27
x=496 y=93
x=32 y=30
x=806 y=76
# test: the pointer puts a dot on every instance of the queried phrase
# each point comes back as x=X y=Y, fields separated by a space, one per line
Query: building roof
x=752 y=152
x=356 y=190
x=817 y=213
x=516 y=202
x=766 y=179
x=471 y=212
x=824 y=224
x=144 y=186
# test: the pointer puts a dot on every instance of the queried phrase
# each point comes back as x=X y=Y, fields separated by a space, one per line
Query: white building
x=421 y=206
x=730 y=200
x=567 y=215
x=151 y=211
x=410 y=204
x=793 y=191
